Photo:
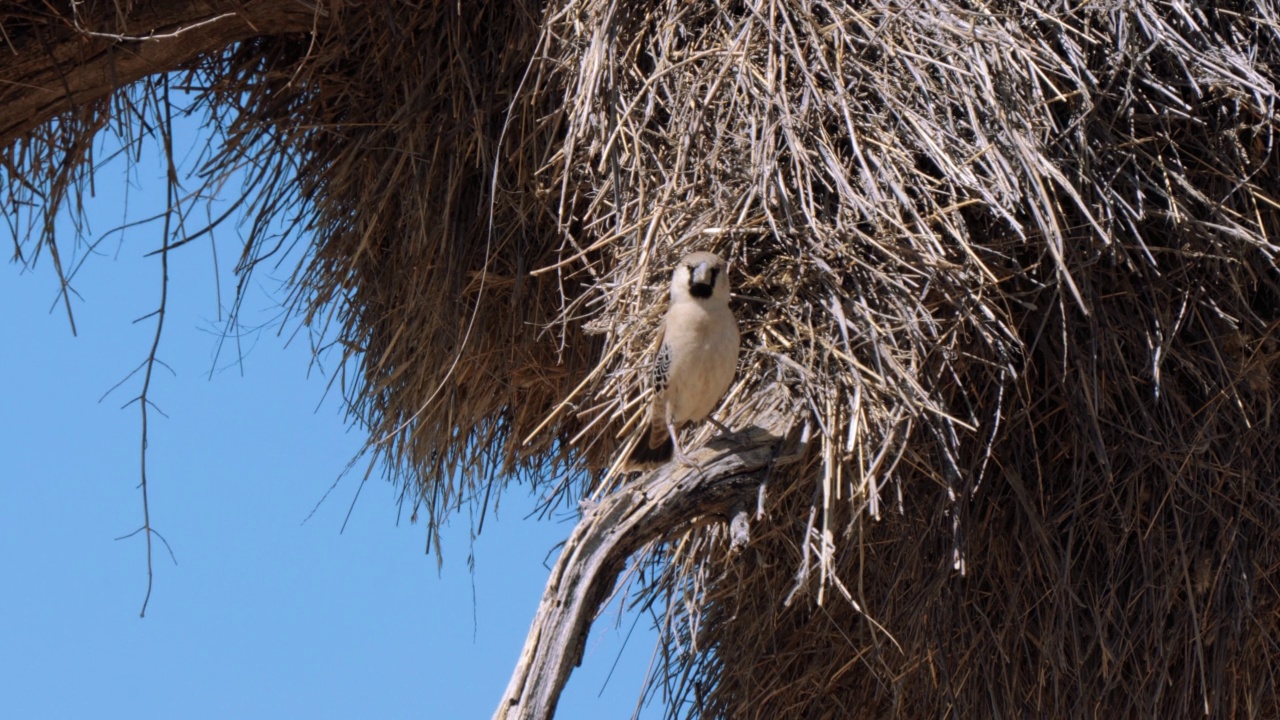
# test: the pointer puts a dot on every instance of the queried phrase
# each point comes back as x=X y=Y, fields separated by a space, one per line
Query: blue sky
x=264 y=615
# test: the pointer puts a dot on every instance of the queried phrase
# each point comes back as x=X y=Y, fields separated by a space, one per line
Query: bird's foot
x=686 y=461
x=677 y=452
x=727 y=433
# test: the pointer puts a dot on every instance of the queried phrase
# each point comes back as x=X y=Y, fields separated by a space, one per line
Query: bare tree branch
x=83 y=58
x=610 y=533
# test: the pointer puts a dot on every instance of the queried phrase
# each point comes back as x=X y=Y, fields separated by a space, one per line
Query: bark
x=648 y=509
x=52 y=60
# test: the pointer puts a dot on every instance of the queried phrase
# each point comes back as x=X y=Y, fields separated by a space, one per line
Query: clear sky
x=264 y=615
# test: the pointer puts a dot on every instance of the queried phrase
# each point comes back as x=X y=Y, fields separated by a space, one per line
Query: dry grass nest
x=1007 y=269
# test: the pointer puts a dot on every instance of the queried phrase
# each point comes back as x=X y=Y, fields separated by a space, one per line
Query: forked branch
x=596 y=553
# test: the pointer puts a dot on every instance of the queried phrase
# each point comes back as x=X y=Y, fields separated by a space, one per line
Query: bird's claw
x=687 y=461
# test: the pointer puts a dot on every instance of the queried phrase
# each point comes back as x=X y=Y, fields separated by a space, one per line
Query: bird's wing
x=661 y=368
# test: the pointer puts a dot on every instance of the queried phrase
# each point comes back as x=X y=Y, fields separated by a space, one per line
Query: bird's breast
x=704 y=358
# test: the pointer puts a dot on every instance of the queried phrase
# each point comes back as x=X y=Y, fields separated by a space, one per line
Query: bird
x=696 y=361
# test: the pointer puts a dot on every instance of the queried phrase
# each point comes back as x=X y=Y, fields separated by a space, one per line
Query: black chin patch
x=700 y=290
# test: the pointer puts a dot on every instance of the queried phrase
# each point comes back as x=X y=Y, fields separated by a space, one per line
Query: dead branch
x=648 y=510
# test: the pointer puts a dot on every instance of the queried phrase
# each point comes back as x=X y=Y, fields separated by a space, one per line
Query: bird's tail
x=652 y=451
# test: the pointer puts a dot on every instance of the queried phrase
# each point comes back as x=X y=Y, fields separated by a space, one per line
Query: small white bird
x=697 y=360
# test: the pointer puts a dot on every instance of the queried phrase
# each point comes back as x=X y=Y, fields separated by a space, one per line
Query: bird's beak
x=702 y=280
x=703 y=275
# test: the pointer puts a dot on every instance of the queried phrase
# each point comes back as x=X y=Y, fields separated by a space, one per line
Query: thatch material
x=1008 y=269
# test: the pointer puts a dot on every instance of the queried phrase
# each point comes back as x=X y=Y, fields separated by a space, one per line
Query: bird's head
x=700 y=276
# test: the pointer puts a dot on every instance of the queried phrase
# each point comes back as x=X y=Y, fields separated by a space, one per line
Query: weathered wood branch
x=608 y=534
x=57 y=59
